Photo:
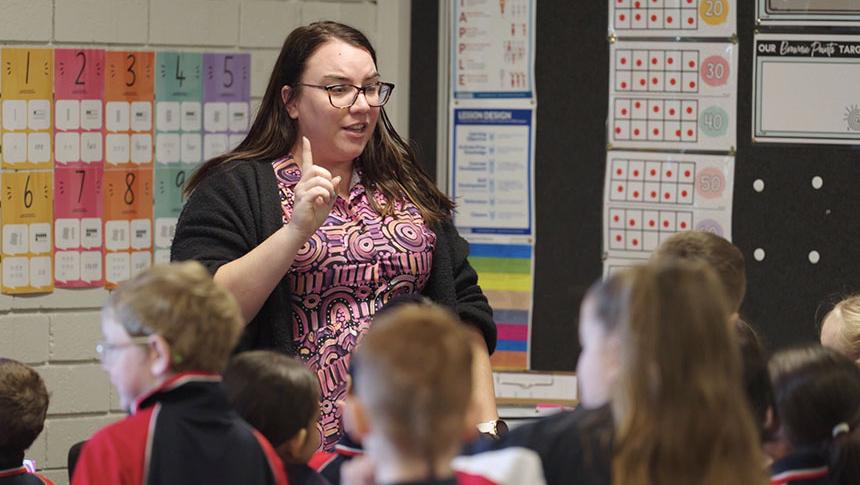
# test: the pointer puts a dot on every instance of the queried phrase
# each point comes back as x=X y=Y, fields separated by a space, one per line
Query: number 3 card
x=673 y=95
x=650 y=196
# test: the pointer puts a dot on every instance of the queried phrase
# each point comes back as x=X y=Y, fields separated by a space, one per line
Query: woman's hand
x=315 y=194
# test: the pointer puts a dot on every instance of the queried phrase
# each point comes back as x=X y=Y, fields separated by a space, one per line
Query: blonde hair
x=413 y=374
x=848 y=333
x=180 y=302
x=680 y=412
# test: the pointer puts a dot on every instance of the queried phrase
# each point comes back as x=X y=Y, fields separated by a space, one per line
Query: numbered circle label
x=710 y=225
x=714 y=12
x=715 y=71
x=710 y=183
x=714 y=122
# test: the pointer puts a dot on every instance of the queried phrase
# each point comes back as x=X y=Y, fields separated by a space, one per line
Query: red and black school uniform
x=800 y=467
x=21 y=476
x=182 y=432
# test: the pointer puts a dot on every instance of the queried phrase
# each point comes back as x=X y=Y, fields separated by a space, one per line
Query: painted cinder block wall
x=56 y=333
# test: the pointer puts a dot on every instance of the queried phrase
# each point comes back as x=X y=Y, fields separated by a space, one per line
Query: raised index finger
x=307 y=158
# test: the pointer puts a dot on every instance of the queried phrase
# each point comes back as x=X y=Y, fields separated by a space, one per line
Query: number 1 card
x=27 y=81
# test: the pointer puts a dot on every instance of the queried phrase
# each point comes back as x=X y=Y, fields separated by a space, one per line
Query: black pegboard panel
x=788 y=219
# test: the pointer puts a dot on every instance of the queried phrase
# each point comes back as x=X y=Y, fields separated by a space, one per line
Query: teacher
x=322 y=214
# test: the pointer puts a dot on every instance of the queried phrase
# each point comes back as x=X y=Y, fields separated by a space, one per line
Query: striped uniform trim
x=803 y=474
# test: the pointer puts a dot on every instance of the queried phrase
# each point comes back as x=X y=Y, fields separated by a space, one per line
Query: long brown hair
x=680 y=413
x=388 y=164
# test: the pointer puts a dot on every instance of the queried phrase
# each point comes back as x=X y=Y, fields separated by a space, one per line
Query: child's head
x=674 y=379
x=23 y=406
x=167 y=319
x=841 y=328
x=412 y=384
x=755 y=377
x=278 y=396
x=724 y=257
x=817 y=394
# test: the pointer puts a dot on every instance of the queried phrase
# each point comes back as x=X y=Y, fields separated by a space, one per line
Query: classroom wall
x=57 y=333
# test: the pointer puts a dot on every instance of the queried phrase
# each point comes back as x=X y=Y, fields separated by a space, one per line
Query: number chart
x=226 y=102
x=673 y=95
x=128 y=223
x=178 y=139
x=27 y=231
x=671 y=18
x=128 y=109
x=79 y=162
x=27 y=82
x=651 y=196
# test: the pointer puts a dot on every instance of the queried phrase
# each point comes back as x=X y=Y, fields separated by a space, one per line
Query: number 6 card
x=27 y=232
x=673 y=95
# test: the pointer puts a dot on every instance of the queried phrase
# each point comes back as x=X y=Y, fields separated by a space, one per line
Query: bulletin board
x=793 y=204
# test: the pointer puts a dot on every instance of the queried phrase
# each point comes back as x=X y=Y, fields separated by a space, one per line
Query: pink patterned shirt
x=349 y=269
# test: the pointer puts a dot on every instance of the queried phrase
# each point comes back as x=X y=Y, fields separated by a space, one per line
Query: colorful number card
x=650 y=196
x=27 y=232
x=27 y=82
x=128 y=223
x=78 y=242
x=178 y=139
x=129 y=85
x=79 y=89
x=673 y=18
x=226 y=102
x=673 y=96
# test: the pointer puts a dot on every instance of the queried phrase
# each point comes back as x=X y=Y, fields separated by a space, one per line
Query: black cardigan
x=238 y=206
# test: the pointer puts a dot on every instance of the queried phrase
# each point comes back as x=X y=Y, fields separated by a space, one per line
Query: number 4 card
x=27 y=232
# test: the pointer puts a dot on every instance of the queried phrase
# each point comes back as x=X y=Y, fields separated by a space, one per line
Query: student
x=279 y=396
x=412 y=407
x=817 y=395
x=168 y=333
x=724 y=257
x=755 y=377
x=841 y=328
x=661 y=397
x=23 y=407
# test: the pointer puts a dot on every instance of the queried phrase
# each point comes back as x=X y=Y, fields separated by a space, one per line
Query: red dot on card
x=637 y=4
x=669 y=19
x=692 y=84
x=689 y=110
x=677 y=132
x=615 y=218
x=623 y=60
x=651 y=223
x=672 y=81
x=618 y=238
x=692 y=64
x=689 y=1
x=653 y=194
x=656 y=109
x=672 y=111
x=621 y=188
x=622 y=17
x=636 y=131
x=624 y=112
x=632 y=222
x=641 y=82
x=638 y=17
x=635 y=194
x=665 y=223
x=689 y=132
x=653 y=172
x=666 y=196
x=638 y=62
x=671 y=60
x=669 y=173
x=656 y=131
x=618 y=132
x=653 y=18
x=635 y=242
x=623 y=85
x=637 y=104
x=618 y=172
x=683 y=193
x=654 y=61
x=620 y=1
x=654 y=80
x=690 y=21
x=686 y=173
x=683 y=225
x=636 y=173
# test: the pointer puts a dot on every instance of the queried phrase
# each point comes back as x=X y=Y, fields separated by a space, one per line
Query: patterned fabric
x=349 y=269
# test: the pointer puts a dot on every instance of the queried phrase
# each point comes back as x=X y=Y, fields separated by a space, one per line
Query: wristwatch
x=494 y=429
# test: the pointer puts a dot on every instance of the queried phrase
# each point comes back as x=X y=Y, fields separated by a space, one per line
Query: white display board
x=806 y=12
x=673 y=18
x=806 y=89
x=673 y=95
x=650 y=196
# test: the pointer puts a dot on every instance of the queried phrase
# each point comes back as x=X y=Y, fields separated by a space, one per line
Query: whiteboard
x=806 y=89
x=805 y=12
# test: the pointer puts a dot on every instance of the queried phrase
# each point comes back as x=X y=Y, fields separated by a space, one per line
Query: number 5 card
x=673 y=95
x=650 y=196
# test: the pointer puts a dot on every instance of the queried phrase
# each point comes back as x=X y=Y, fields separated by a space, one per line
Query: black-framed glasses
x=105 y=349
x=343 y=96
